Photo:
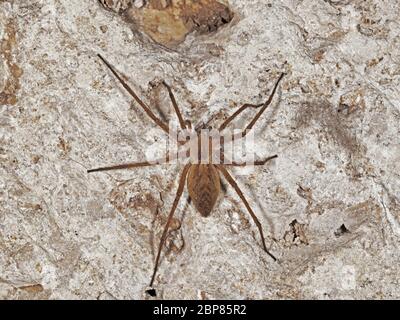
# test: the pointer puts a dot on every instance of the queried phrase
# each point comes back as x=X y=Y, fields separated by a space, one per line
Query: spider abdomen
x=204 y=185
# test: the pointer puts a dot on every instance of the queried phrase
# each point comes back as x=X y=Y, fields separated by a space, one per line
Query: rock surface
x=329 y=204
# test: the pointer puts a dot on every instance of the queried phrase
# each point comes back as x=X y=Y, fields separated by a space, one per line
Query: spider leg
x=235 y=186
x=146 y=109
x=266 y=104
x=179 y=156
x=255 y=163
x=175 y=204
x=126 y=166
x=188 y=124
x=175 y=105
x=236 y=113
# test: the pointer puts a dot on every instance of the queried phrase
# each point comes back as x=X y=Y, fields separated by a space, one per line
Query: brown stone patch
x=352 y=102
x=297 y=234
x=10 y=84
x=35 y=288
x=63 y=145
x=116 y=5
x=168 y=22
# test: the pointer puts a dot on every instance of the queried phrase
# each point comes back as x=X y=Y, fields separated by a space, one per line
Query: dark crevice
x=151 y=292
x=341 y=231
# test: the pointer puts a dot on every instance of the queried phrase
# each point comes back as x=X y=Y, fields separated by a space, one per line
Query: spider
x=203 y=179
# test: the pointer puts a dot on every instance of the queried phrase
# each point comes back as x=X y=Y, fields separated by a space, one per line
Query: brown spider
x=203 y=180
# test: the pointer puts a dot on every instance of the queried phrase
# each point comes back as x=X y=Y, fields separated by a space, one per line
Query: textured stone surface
x=330 y=201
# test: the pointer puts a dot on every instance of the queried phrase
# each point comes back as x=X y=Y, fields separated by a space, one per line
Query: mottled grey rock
x=329 y=205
